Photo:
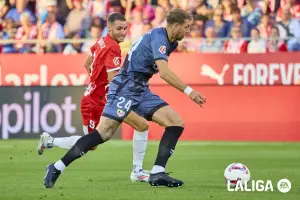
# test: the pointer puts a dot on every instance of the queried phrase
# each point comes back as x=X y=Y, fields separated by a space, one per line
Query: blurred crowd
x=253 y=26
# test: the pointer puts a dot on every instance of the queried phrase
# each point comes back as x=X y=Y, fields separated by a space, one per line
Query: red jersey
x=106 y=54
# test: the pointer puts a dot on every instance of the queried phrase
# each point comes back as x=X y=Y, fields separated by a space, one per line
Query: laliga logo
x=206 y=70
x=283 y=186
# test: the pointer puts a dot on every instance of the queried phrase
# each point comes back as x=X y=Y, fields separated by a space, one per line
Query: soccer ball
x=237 y=172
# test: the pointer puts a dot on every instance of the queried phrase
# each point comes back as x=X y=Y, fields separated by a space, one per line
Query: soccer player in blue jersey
x=129 y=92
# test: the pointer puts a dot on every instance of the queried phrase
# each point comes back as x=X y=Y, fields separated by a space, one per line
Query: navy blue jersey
x=139 y=65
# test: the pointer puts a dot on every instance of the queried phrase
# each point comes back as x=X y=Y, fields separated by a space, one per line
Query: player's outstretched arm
x=171 y=78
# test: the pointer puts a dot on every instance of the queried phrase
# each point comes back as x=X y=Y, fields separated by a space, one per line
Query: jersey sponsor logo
x=116 y=61
x=162 y=49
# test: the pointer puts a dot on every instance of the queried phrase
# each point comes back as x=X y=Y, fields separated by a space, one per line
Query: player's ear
x=109 y=27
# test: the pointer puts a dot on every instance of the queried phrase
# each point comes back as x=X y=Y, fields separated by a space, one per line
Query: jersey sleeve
x=159 y=46
x=93 y=49
x=113 y=59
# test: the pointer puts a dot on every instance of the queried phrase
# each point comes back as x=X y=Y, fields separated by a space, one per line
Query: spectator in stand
x=184 y=5
x=257 y=44
x=252 y=12
x=213 y=3
x=50 y=31
x=210 y=44
x=74 y=48
x=165 y=4
x=228 y=6
x=79 y=19
x=147 y=26
x=237 y=44
x=201 y=7
x=182 y=47
x=136 y=26
x=270 y=6
x=87 y=4
x=192 y=42
x=95 y=34
x=41 y=8
x=145 y=8
x=8 y=33
x=275 y=44
x=219 y=24
x=203 y=12
x=159 y=20
x=265 y=26
x=63 y=9
x=97 y=21
x=7 y=6
x=98 y=8
x=289 y=27
x=27 y=31
x=52 y=6
x=15 y=12
x=240 y=3
x=292 y=5
x=243 y=23
x=115 y=6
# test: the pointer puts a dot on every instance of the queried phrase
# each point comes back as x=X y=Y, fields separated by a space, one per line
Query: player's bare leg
x=105 y=129
x=140 y=140
x=174 y=126
x=103 y=132
x=48 y=142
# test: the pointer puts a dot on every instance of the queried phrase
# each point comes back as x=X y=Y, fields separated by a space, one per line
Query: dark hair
x=235 y=10
x=275 y=27
x=177 y=16
x=115 y=16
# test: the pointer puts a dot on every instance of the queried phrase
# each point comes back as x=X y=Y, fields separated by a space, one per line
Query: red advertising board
x=203 y=69
x=234 y=114
x=250 y=96
x=42 y=70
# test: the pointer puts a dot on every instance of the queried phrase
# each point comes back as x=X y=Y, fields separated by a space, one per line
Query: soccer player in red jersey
x=102 y=65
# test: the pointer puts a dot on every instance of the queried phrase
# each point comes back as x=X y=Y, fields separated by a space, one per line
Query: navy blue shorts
x=122 y=99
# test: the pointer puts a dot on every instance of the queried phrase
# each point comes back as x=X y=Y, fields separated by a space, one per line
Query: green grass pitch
x=104 y=173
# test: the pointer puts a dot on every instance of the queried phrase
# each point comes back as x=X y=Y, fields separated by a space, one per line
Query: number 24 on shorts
x=124 y=104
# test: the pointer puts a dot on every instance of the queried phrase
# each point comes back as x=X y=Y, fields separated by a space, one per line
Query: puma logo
x=207 y=70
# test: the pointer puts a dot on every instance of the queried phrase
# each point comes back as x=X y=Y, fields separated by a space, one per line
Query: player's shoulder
x=160 y=36
x=109 y=42
x=158 y=33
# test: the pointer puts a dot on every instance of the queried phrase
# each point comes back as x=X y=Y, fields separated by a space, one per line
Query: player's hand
x=198 y=98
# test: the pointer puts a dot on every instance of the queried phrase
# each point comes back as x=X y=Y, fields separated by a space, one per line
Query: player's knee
x=106 y=134
x=107 y=127
x=178 y=122
x=175 y=121
x=142 y=127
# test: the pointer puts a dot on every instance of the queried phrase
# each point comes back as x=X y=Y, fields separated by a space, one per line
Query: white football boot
x=139 y=176
x=46 y=142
